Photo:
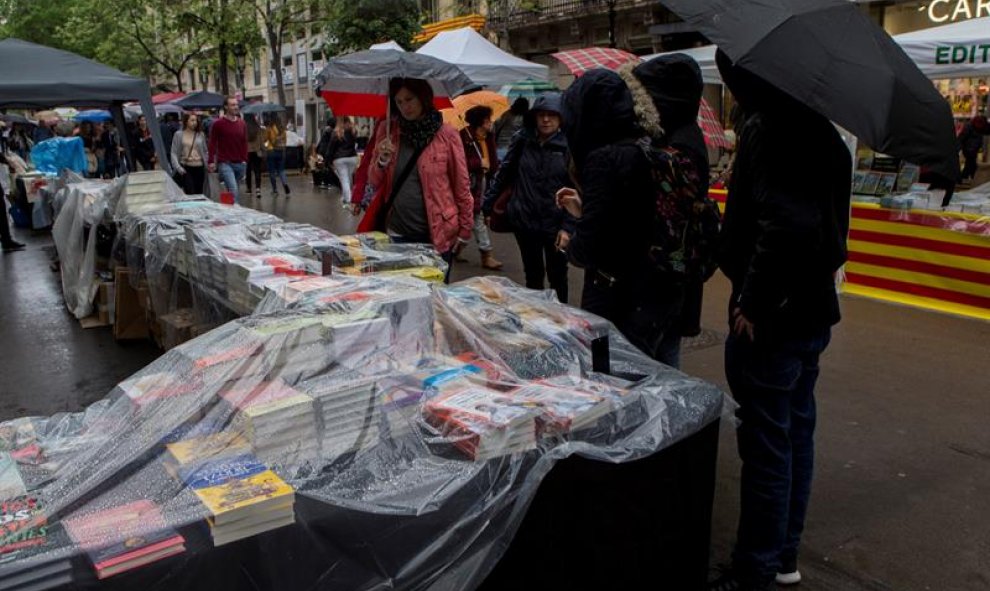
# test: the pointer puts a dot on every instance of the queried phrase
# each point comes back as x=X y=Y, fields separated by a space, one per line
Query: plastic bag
x=55 y=154
x=212 y=187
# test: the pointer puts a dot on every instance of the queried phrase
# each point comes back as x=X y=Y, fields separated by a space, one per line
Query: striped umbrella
x=528 y=89
x=579 y=61
x=711 y=128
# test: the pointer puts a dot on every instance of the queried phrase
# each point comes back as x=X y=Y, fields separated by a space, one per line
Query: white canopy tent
x=483 y=62
x=959 y=50
x=387 y=45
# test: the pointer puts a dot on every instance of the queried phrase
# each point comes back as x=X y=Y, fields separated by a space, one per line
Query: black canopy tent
x=38 y=77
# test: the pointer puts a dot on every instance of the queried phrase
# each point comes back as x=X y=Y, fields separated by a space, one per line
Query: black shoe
x=286 y=187
x=12 y=246
x=729 y=581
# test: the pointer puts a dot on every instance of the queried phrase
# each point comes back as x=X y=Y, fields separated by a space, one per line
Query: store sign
x=962 y=54
x=940 y=11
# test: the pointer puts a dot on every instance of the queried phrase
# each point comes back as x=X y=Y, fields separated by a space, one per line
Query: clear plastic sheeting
x=354 y=433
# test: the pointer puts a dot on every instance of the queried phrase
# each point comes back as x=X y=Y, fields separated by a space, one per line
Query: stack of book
x=278 y=421
x=145 y=191
x=349 y=412
x=481 y=422
x=244 y=498
x=125 y=537
x=561 y=410
x=146 y=392
x=188 y=455
x=35 y=554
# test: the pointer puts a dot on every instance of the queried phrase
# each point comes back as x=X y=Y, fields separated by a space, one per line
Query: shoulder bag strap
x=399 y=181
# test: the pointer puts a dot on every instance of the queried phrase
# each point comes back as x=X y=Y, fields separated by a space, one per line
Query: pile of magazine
x=349 y=421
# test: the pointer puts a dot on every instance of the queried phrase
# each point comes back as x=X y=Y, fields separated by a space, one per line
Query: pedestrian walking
x=142 y=144
x=256 y=150
x=535 y=167
x=189 y=155
x=509 y=124
x=342 y=153
x=228 y=147
x=482 y=164
x=323 y=151
x=275 y=137
x=7 y=242
x=422 y=189
x=782 y=242
x=971 y=140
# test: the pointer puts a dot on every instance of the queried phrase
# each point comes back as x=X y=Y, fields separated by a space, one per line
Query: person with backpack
x=782 y=242
x=632 y=204
x=534 y=168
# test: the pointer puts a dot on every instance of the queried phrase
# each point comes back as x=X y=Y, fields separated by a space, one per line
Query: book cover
x=484 y=406
x=560 y=409
x=216 y=472
x=23 y=523
x=247 y=495
x=200 y=449
x=148 y=389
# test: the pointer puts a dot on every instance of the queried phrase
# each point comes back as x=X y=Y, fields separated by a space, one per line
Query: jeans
x=970 y=168
x=540 y=257
x=254 y=172
x=773 y=380
x=232 y=173
x=276 y=166
x=345 y=167
x=481 y=234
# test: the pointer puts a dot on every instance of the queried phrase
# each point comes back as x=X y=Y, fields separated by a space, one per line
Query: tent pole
x=117 y=110
x=148 y=110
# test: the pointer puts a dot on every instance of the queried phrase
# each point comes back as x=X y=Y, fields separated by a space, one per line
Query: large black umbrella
x=262 y=108
x=201 y=99
x=357 y=83
x=831 y=57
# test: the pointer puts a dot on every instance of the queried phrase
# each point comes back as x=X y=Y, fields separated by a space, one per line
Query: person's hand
x=488 y=221
x=563 y=239
x=741 y=325
x=569 y=200
x=384 y=151
x=212 y=167
x=355 y=209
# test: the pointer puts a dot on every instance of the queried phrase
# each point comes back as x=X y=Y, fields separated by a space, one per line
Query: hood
x=598 y=110
x=548 y=101
x=674 y=82
x=755 y=94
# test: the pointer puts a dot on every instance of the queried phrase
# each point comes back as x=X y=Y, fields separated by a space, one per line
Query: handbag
x=498 y=221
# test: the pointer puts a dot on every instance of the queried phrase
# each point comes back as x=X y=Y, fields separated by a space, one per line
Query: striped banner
x=933 y=260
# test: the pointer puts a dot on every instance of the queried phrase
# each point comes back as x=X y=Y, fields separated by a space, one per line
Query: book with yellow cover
x=243 y=497
x=189 y=453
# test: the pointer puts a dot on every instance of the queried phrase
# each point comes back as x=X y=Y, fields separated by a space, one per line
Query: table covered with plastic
x=352 y=433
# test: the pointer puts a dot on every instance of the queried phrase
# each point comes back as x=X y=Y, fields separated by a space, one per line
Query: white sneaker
x=792 y=578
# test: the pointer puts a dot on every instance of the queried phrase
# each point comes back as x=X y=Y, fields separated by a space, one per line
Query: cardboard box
x=129 y=308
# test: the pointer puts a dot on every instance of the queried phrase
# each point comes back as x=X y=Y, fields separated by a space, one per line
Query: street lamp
x=240 y=55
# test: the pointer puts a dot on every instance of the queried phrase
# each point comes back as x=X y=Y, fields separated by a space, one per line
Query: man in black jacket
x=7 y=242
x=782 y=241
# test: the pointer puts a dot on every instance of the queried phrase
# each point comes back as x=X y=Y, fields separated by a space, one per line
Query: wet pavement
x=901 y=498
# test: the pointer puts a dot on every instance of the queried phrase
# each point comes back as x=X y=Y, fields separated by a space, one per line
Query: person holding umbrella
x=782 y=242
x=422 y=188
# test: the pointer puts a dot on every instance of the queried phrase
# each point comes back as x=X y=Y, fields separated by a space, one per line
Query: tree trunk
x=275 y=44
x=178 y=81
x=222 y=70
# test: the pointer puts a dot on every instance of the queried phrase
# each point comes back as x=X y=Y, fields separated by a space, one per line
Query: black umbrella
x=15 y=118
x=262 y=108
x=830 y=56
x=201 y=99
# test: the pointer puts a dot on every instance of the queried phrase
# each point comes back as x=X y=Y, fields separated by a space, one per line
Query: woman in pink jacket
x=421 y=188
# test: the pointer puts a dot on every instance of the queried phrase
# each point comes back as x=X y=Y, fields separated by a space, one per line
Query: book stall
x=357 y=432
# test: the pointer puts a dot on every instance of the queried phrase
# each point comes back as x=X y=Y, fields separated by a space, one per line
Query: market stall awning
x=480 y=59
x=166 y=97
x=431 y=30
x=959 y=50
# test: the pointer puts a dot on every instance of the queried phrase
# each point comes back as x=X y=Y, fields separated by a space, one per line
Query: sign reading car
x=940 y=11
x=962 y=54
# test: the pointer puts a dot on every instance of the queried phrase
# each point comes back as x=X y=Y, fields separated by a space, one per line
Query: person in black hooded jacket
x=782 y=241
x=615 y=203
x=535 y=167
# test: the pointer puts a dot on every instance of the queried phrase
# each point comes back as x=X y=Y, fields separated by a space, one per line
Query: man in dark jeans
x=782 y=241
x=7 y=242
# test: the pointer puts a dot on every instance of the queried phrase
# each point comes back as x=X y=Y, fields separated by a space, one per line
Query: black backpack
x=687 y=223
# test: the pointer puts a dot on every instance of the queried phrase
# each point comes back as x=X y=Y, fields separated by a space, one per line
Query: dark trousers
x=540 y=258
x=773 y=380
x=969 y=169
x=192 y=181
x=646 y=311
x=253 y=171
x=5 y=237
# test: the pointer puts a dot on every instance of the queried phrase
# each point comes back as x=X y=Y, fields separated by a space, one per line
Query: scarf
x=481 y=139
x=418 y=133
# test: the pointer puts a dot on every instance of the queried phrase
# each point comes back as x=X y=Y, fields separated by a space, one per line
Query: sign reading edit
x=962 y=54
x=940 y=11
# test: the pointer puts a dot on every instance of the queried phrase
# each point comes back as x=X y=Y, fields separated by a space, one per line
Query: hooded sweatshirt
x=783 y=237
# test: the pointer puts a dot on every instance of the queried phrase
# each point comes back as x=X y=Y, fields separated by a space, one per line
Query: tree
x=357 y=24
x=282 y=19
x=224 y=26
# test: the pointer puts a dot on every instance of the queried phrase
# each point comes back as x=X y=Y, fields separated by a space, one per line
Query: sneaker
x=286 y=187
x=258 y=193
x=12 y=246
x=788 y=573
x=728 y=581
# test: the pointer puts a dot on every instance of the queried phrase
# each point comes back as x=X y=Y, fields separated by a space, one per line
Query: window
x=287 y=61
x=302 y=69
x=256 y=66
x=317 y=55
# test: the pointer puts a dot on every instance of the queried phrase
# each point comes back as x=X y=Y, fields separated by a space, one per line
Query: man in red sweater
x=228 y=148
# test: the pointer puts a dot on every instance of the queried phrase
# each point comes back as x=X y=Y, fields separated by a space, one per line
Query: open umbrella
x=528 y=89
x=162 y=108
x=579 y=61
x=201 y=99
x=833 y=58
x=356 y=84
x=15 y=118
x=498 y=103
x=262 y=108
x=46 y=116
x=94 y=116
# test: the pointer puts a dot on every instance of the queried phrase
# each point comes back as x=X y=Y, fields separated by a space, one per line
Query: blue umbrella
x=95 y=115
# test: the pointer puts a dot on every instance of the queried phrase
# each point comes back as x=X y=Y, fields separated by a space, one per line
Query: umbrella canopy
x=201 y=99
x=830 y=56
x=163 y=108
x=498 y=103
x=15 y=118
x=480 y=59
x=46 y=115
x=711 y=128
x=579 y=61
x=94 y=115
x=356 y=84
x=262 y=108
x=528 y=89
x=166 y=97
